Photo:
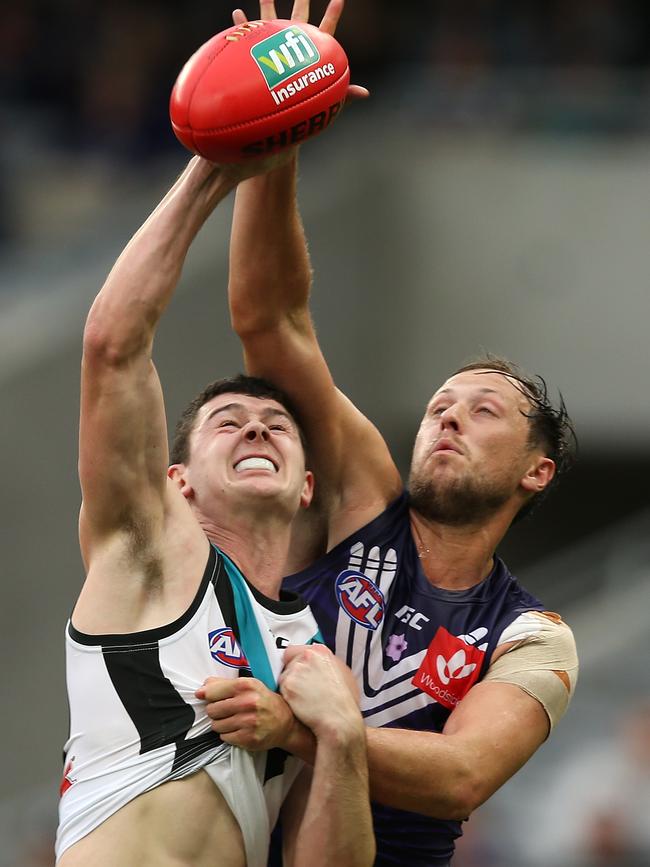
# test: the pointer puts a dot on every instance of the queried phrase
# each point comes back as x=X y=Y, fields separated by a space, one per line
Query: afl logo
x=224 y=648
x=360 y=598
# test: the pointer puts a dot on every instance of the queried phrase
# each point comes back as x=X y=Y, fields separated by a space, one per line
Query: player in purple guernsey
x=461 y=671
x=415 y=648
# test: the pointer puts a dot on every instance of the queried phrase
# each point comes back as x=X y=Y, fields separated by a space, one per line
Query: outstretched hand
x=300 y=12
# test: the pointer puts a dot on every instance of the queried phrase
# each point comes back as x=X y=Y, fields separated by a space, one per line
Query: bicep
x=543 y=662
x=123 y=450
x=498 y=726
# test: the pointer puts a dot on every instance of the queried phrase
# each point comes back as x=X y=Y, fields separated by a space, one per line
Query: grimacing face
x=472 y=453
x=243 y=447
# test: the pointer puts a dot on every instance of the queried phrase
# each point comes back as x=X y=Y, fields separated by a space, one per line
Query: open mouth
x=255 y=463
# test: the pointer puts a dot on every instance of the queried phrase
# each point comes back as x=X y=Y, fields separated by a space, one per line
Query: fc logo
x=360 y=598
x=224 y=648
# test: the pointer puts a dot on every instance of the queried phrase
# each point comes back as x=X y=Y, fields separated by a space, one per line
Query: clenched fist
x=321 y=692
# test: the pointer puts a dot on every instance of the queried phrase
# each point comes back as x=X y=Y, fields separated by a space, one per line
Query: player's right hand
x=246 y=713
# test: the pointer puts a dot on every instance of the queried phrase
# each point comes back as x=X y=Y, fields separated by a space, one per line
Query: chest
x=414 y=651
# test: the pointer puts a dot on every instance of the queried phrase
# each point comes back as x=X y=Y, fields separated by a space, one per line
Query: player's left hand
x=300 y=12
x=246 y=713
x=321 y=691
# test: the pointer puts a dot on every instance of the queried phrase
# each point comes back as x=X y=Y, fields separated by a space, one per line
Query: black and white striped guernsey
x=135 y=722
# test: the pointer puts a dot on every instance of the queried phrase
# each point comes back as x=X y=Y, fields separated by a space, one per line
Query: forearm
x=270 y=273
x=144 y=277
x=421 y=771
x=491 y=733
x=300 y=742
x=337 y=824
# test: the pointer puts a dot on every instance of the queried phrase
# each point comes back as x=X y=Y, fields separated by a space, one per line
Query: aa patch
x=360 y=598
x=225 y=649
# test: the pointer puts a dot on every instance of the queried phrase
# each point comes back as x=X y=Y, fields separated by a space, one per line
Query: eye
x=227 y=422
x=486 y=410
x=438 y=410
x=279 y=427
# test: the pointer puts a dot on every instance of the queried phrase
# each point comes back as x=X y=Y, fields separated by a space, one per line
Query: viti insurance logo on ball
x=285 y=54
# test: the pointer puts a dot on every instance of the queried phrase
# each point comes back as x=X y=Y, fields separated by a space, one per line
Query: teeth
x=254 y=464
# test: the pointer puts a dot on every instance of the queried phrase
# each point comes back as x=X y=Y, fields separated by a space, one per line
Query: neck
x=258 y=547
x=456 y=558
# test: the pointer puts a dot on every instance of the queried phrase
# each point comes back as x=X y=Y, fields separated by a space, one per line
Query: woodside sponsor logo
x=449 y=668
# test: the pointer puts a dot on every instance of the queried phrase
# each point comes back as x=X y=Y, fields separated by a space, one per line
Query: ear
x=538 y=475
x=178 y=475
x=308 y=490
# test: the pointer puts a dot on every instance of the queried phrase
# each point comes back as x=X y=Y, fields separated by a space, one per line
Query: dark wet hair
x=551 y=428
x=252 y=386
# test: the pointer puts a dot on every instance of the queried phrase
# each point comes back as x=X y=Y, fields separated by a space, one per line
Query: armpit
x=542 y=661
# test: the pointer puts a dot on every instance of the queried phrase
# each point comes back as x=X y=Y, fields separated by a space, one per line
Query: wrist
x=300 y=741
x=342 y=734
x=207 y=183
x=276 y=176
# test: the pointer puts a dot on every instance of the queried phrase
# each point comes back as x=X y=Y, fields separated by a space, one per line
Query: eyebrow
x=482 y=390
x=267 y=412
x=228 y=407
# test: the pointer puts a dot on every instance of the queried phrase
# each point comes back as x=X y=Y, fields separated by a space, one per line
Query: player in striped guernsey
x=462 y=673
x=165 y=604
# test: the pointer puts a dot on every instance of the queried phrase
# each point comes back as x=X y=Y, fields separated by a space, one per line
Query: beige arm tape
x=545 y=665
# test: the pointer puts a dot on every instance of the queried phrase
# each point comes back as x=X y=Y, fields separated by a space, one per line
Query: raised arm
x=270 y=277
x=123 y=434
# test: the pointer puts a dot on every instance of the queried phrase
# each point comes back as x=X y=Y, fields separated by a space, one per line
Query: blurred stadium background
x=492 y=194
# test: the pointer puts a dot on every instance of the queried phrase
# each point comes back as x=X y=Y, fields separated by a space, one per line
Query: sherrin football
x=257 y=88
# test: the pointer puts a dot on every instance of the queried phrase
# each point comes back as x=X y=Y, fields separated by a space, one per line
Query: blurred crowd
x=100 y=74
x=597 y=810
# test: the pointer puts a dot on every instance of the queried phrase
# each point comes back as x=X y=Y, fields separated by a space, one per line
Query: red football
x=257 y=88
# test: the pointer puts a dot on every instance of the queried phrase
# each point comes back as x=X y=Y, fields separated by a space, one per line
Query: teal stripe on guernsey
x=251 y=640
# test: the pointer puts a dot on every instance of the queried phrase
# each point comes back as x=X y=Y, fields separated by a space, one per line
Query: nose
x=450 y=418
x=255 y=430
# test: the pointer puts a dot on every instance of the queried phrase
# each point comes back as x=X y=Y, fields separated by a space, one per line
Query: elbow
x=101 y=346
x=463 y=795
x=250 y=320
x=462 y=802
x=111 y=343
x=269 y=307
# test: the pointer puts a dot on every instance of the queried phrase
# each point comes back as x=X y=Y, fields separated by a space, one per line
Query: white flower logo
x=454 y=668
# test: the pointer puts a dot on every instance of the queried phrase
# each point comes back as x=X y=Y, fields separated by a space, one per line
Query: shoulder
x=544 y=629
x=537 y=652
x=147 y=570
